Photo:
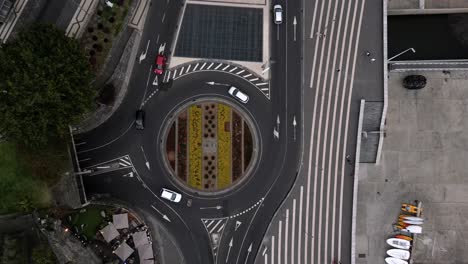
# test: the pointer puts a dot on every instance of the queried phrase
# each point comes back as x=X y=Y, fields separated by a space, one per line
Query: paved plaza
x=424 y=157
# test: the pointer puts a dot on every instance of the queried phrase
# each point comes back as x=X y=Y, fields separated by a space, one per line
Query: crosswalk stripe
x=227 y=66
x=209 y=67
x=248 y=75
x=233 y=69
x=240 y=72
x=217 y=67
x=188 y=69
x=258 y=84
x=196 y=66
x=203 y=66
x=254 y=79
x=181 y=71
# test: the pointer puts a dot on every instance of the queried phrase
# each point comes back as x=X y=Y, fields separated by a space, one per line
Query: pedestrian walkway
x=219 y=66
x=408 y=7
x=81 y=18
x=447 y=65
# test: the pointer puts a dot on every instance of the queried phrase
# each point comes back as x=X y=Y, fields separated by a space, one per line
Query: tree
x=44 y=85
x=43 y=254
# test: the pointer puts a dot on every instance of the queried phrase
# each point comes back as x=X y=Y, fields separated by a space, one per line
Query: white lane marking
x=196 y=66
x=203 y=66
x=157 y=40
x=318 y=143
x=240 y=72
x=280 y=226
x=210 y=223
x=335 y=174
x=324 y=152
x=209 y=67
x=286 y=233
x=181 y=71
x=258 y=84
x=175 y=73
x=81 y=143
x=214 y=227
x=254 y=79
x=227 y=66
x=149 y=75
x=84 y=159
x=293 y=231
x=265 y=257
x=264 y=89
x=346 y=126
x=233 y=69
x=313 y=20
x=220 y=228
x=217 y=67
x=272 y=249
x=164 y=16
x=248 y=75
x=188 y=69
x=299 y=233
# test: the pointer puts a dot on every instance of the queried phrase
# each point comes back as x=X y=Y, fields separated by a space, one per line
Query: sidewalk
x=424 y=158
x=422 y=6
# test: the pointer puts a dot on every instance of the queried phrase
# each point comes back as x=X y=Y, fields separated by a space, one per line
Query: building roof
x=145 y=251
x=120 y=220
x=140 y=238
x=109 y=232
x=123 y=251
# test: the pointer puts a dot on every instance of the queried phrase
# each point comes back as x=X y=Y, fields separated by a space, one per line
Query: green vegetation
x=91 y=220
x=43 y=254
x=44 y=86
x=20 y=190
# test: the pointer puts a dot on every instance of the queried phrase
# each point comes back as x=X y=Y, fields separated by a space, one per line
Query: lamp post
x=401 y=53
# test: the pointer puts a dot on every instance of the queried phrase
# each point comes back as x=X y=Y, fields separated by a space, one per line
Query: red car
x=160 y=64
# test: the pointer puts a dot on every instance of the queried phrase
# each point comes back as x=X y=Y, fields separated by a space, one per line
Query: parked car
x=278 y=14
x=140 y=119
x=160 y=64
x=5 y=8
x=171 y=195
x=236 y=93
x=414 y=82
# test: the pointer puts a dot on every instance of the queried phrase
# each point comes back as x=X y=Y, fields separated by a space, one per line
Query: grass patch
x=91 y=219
x=20 y=190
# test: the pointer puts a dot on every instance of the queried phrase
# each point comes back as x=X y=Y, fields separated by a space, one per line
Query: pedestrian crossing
x=199 y=66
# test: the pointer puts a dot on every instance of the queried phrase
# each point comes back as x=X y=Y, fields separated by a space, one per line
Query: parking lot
x=424 y=157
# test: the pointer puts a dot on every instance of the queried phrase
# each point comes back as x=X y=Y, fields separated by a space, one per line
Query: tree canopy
x=45 y=85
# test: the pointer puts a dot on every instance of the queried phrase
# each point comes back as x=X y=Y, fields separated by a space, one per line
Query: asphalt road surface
x=126 y=163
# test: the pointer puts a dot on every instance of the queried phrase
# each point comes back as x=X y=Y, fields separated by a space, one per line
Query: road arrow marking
x=277 y=120
x=294 y=124
x=295 y=24
x=218 y=207
x=238 y=223
x=163 y=215
x=229 y=251
x=156 y=81
x=130 y=175
x=143 y=55
x=248 y=253
x=146 y=160
x=275 y=133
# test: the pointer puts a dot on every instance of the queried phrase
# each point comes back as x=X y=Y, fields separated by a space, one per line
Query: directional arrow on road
x=218 y=207
x=215 y=83
x=130 y=175
x=146 y=160
x=155 y=81
x=275 y=133
x=277 y=120
x=295 y=24
x=294 y=124
x=248 y=253
x=163 y=215
x=229 y=251
x=143 y=54
x=238 y=223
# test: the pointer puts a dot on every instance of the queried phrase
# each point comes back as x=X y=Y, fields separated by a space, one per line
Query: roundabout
x=210 y=145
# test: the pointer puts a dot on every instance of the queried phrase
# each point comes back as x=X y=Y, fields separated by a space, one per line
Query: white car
x=171 y=195
x=278 y=14
x=236 y=93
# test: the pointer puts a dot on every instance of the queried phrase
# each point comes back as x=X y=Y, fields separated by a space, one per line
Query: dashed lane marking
x=248 y=209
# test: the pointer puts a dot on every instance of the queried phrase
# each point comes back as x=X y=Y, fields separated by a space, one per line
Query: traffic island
x=209 y=145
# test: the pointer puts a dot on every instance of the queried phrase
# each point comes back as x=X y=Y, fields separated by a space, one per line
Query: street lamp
x=401 y=53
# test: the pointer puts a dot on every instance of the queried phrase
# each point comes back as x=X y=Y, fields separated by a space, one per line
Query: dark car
x=140 y=120
x=414 y=82
x=5 y=8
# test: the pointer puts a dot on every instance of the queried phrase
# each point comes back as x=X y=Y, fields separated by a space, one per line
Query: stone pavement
x=424 y=157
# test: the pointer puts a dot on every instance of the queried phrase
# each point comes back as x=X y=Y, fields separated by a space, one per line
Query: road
x=126 y=163
x=313 y=225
